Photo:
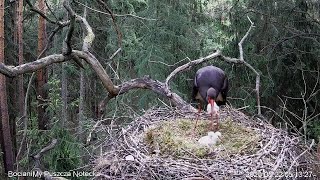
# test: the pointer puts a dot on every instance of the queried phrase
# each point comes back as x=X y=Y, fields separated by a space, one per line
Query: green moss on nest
x=175 y=138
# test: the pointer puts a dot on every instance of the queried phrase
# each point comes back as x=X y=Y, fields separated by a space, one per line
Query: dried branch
x=88 y=39
x=157 y=87
x=42 y=151
x=32 y=8
x=116 y=15
x=32 y=66
x=37 y=157
x=169 y=65
x=295 y=160
x=67 y=49
x=188 y=66
x=242 y=61
x=115 y=53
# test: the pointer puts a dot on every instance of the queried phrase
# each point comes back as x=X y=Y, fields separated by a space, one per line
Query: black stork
x=210 y=87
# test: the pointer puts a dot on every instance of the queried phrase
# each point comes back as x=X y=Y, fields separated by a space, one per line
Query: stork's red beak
x=211 y=101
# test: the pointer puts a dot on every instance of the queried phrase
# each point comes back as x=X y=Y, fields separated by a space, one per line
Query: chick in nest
x=211 y=139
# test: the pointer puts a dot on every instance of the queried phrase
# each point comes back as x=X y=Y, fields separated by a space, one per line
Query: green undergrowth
x=176 y=138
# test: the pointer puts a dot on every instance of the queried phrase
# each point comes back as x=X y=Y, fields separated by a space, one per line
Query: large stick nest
x=264 y=151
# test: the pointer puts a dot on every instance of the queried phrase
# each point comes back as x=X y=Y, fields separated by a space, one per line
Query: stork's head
x=211 y=96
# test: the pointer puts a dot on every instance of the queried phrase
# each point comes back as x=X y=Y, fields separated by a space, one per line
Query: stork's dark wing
x=195 y=89
x=224 y=90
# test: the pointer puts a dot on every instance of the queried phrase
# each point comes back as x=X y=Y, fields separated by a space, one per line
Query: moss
x=176 y=138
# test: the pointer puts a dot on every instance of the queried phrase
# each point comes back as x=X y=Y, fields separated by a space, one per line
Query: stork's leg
x=198 y=116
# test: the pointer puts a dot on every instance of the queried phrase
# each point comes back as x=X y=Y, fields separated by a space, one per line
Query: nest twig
x=279 y=155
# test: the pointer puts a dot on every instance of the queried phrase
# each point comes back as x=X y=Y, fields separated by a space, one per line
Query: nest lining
x=268 y=153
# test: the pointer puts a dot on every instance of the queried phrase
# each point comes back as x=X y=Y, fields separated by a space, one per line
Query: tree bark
x=20 y=86
x=82 y=95
x=41 y=73
x=6 y=139
x=64 y=94
x=81 y=104
x=20 y=55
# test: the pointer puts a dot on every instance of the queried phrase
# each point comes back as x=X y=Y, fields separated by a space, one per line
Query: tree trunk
x=64 y=94
x=18 y=37
x=20 y=55
x=6 y=139
x=41 y=74
x=81 y=104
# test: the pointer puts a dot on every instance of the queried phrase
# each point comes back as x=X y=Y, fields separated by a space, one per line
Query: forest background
x=134 y=38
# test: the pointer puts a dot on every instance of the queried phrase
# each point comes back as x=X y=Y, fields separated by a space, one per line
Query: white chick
x=211 y=139
x=215 y=108
x=129 y=158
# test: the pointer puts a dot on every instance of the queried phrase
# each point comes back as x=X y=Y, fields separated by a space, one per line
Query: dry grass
x=176 y=137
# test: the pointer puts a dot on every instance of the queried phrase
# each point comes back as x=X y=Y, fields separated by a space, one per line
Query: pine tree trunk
x=41 y=74
x=81 y=104
x=6 y=139
x=64 y=94
x=20 y=55
x=18 y=37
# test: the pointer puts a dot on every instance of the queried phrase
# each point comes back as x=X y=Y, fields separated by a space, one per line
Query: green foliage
x=64 y=157
x=67 y=154
x=55 y=104
x=282 y=47
x=314 y=132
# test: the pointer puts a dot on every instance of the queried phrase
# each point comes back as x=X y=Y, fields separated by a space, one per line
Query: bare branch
x=32 y=66
x=169 y=65
x=314 y=91
x=157 y=87
x=244 y=38
x=115 y=53
x=188 y=66
x=117 y=15
x=241 y=60
x=88 y=39
x=44 y=150
x=67 y=49
x=60 y=23
x=295 y=161
x=37 y=157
